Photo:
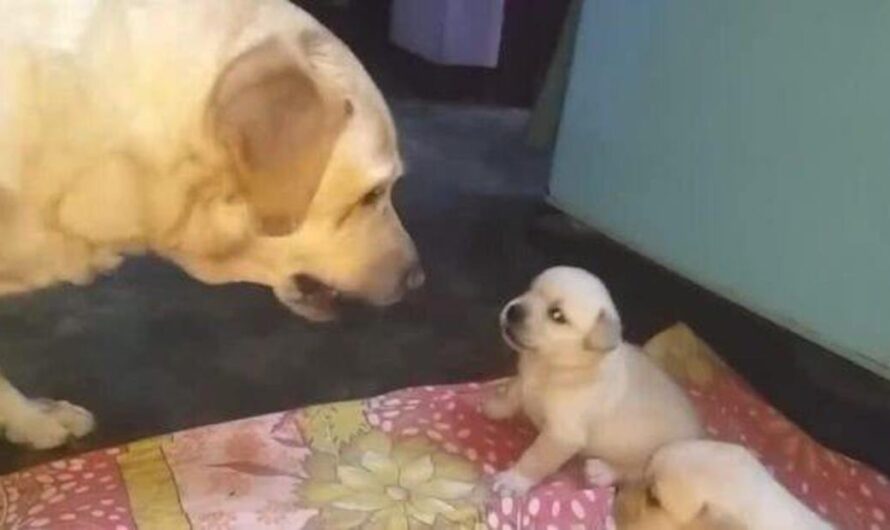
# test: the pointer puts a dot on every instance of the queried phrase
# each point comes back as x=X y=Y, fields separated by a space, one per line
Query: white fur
x=703 y=480
x=613 y=405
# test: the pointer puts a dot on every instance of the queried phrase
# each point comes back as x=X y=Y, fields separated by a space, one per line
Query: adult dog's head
x=314 y=154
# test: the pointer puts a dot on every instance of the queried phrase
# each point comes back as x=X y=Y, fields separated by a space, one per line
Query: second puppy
x=588 y=392
x=708 y=485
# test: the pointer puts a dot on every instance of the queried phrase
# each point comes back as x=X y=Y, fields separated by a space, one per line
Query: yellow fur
x=109 y=147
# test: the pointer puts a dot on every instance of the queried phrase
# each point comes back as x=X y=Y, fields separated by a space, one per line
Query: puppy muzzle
x=513 y=319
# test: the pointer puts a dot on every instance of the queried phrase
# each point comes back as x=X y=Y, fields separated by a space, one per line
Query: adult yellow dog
x=239 y=139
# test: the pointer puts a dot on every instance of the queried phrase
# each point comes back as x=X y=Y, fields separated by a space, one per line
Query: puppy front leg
x=546 y=455
x=40 y=424
x=600 y=473
x=505 y=403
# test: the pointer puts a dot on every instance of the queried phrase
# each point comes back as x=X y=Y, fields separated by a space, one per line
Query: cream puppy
x=587 y=391
x=709 y=485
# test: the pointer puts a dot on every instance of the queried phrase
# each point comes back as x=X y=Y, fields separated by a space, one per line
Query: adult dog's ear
x=605 y=334
x=280 y=124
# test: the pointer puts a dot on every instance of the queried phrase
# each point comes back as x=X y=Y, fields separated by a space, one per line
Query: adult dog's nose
x=515 y=313
x=414 y=277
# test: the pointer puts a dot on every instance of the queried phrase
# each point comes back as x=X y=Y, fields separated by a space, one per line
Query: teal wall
x=746 y=145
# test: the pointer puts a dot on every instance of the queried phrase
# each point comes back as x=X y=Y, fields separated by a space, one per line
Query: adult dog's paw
x=76 y=420
x=47 y=424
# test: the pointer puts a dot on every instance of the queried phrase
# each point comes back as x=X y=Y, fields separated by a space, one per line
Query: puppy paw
x=48 y=424
x=599 y=473
x=512 y=483
x=497 y=408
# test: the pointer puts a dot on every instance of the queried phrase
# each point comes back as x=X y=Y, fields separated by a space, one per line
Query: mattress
x=411 y=459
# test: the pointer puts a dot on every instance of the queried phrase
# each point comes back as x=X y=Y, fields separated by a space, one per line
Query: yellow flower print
x=328 y=427
x=377 y=484
x=684 y=355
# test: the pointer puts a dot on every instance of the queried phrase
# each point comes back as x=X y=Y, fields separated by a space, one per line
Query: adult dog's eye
x=556 y=315
x=373 y=197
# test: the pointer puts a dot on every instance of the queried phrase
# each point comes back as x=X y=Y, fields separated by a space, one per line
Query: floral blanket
x=412 y=459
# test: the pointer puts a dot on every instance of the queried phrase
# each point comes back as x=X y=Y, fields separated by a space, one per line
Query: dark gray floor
x=151 y=351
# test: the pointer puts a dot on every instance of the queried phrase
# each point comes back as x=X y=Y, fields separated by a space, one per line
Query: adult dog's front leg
x=40 y=423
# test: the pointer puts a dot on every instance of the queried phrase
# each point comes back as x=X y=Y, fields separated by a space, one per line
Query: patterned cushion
x=412 y=459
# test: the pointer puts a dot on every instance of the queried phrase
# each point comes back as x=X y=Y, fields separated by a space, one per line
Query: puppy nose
x=515 y=313
x=414 y=277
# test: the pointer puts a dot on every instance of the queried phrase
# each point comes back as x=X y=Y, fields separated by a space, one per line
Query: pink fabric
x=78 y=493
x=450 y=416
x=338 y=463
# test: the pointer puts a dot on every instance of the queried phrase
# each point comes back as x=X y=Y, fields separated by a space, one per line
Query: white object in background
x=451 y=32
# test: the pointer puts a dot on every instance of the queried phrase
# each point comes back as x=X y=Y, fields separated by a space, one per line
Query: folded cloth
x=416 y=458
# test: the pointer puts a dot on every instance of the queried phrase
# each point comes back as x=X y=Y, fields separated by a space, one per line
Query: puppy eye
x=373 y=197
x=556 y=315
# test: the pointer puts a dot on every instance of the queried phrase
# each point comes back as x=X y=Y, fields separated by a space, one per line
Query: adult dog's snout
x=414 y=277
x=388 y=288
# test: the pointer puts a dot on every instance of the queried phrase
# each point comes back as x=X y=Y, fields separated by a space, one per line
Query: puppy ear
x=687 y=507
x=280 y=125
x=605 y=334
